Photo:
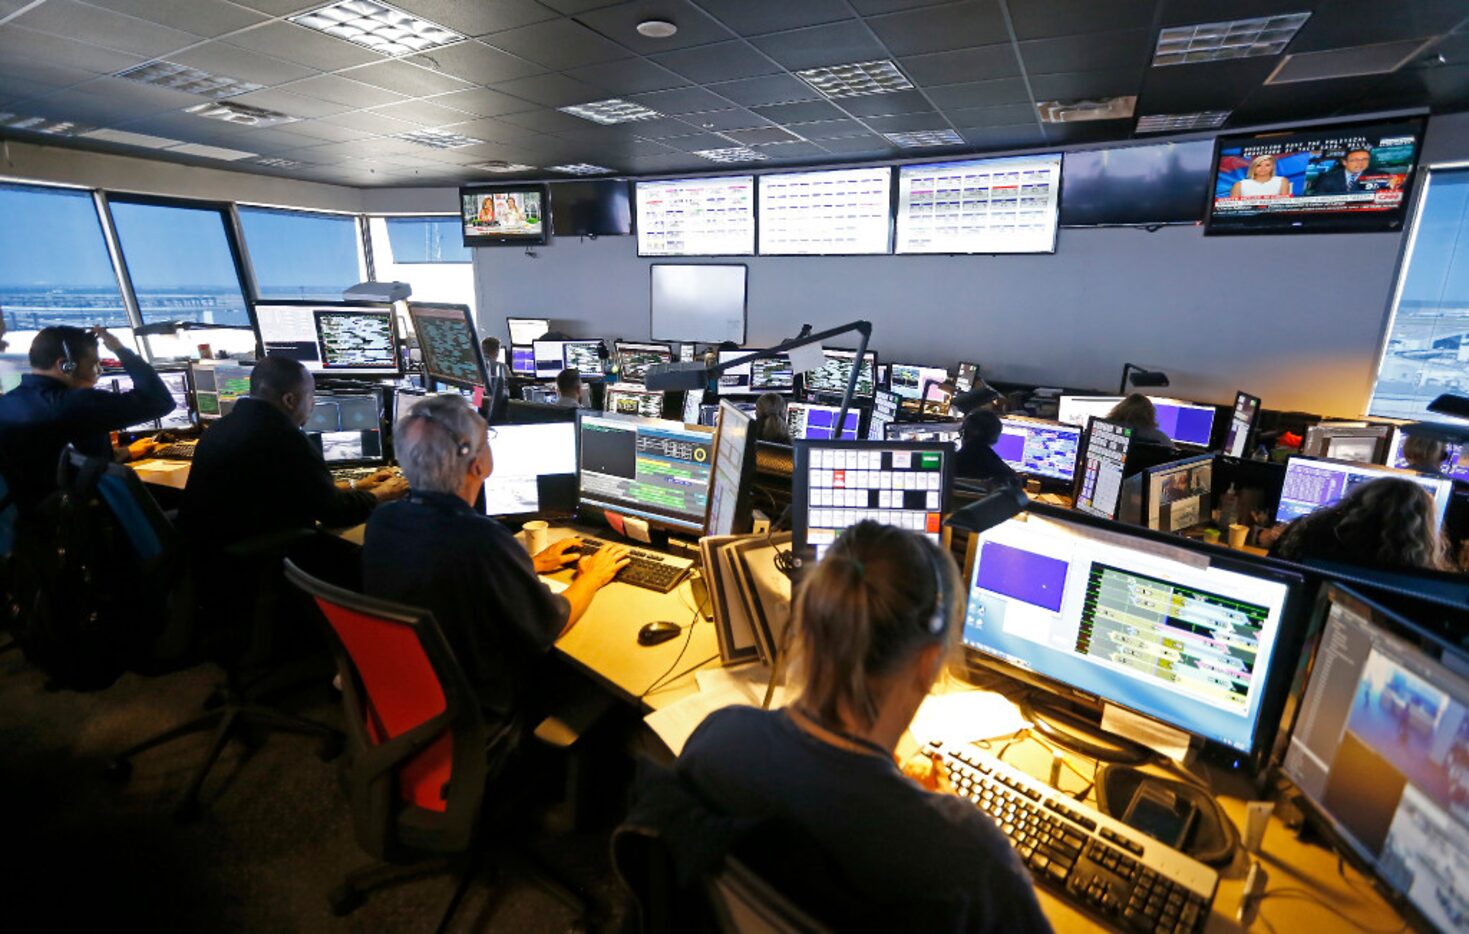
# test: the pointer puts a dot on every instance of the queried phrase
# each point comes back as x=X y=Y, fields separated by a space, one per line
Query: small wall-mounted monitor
x=506 y=215
x=600 y=208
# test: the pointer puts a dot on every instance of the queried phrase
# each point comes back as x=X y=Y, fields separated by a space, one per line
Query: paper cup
x=1237 y=535
x=535 y=536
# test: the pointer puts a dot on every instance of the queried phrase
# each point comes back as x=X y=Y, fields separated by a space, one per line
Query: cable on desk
x=1306 y=894
x=687 y=640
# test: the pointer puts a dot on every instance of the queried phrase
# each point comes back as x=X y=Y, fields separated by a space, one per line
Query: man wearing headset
x=56 y=404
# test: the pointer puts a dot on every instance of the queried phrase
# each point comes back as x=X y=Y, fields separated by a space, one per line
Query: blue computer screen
x=1038 y=448
x=817 y=422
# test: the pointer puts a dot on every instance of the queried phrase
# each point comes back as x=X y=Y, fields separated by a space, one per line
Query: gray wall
x=1296 y=320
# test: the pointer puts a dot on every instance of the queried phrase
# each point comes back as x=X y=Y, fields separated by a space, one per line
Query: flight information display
x=831 y=377
x=1038 y=448
x=447 y=340
x=356 y=340
x=819 y=421
x=840 y=212
x=646 y=467
x=697 y=217
x=775 y=374
x=979 y=206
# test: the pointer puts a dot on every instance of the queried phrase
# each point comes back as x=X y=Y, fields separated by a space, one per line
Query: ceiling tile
x=802 y=112
x=1204 y=86
x=1084 y=84
x=406 y=79
x=681 y=101
x=27 y=44
x=344 y=91
x=421 y=112
x=855 y=146
x=476 y=63
x=368 y=121
x=110 y=30
x=996 y=115
x=220 y=59
x=796 y=149
x=772 y=89
x=558 y=43
x=573 y=7
x=619 y=23
x=966 y=65
x=723 y=61
x=753 y=17
x=545 y=121
x=483 y=102
x=492 y=131
x=277 y=139
x=761 y=136
x=882 y=105
x=1346 y=23
x=907 y=123
x=327 y=132
x=297 y=105
x=1102 y=52
x=995 y=138
x=877 y=7
x=943 y=28
x=664 y=128
x=303 y=46
x=1088 y=131
x=44 y=73
x=698 y=142
x=208 y=18
x=980 y=93
x=628 y=76
x=717 y=121
x=1049 y=19
x=281 y=7
x=18 y=89
x=553 y=90
x=831 y=129
x=478 y=18
x=832 y=44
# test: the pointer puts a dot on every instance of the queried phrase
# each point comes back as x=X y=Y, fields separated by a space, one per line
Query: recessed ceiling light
x=656 y=28
x=732 y=154
x=611 y=111
x=132 y=139
x=919 y=138
x=45 y=125
x=856 y=80
x=377 y=26
x=189 y=80
x=581 y=168
x=439 y=139
x=501 y=167
x=1164 y=123
x=1239 y=38
x=213 y=152
x=243 y=114
x=1105 y=108
x=276 y=162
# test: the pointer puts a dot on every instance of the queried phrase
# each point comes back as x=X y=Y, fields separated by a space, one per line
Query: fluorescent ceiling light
x=1106 y=108
x=919 y=138
x=611 y=111
x=1239 y=38
x=439 y=139
x=213 y=152
x=732 y=154
x=502 y=167
x=377 y=26
x=133 y=139
x=276 y=162
x=859 y=79
x=44 y=125
x=242 y=114
x=1165 y=123
x=163 y=74
x=581 y=168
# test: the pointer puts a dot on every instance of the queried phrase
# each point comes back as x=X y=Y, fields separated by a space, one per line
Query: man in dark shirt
x=254 y=473
x=434 y=551
x=56 y=404
x=977 y=459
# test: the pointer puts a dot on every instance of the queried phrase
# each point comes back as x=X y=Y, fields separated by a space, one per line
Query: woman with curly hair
x=1387 y=523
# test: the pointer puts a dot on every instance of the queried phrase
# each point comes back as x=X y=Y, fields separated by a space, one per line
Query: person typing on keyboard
x=432 y=550
x=874 y=623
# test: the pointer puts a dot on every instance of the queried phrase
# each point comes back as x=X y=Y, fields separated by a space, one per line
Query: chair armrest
x=268 y=544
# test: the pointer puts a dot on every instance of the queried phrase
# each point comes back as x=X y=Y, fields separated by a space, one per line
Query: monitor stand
x=1065 y=727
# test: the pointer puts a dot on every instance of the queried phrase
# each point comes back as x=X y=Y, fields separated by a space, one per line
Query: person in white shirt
x=1261 y=181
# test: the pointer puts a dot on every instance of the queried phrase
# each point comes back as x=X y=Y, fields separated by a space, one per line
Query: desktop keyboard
x=1108 y=869
x=174 y=452
x=646 y=569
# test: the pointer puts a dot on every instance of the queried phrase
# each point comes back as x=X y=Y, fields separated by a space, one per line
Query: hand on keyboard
x=927 y=769
x=602 y=565
x=558 y=555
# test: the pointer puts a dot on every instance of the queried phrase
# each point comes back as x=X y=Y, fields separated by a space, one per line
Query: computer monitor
x=819 y=421
x=1380 y=753
x=965 y=376
x=1038 y=448
x=633 y=360
x=836 y=484
x=775 y=374
x=1457 y=465
x=952 y=432
x=1178 y=495
x=1312 y=483
x=831 y=377
x=550 y=358
x=181 y=418
x=656 y=470
x=527 y=330
x=523 y=360
x=341 y=338
x=12 y=367
x=347 y=428
x=938 y=398
x=1362 y=444
x=1100 y=463
x=1204 y=644
x=217 y=386
x=1182 y=422
x=449 y=344
x=885 y=406
x=1242 y=424
x=908 y=379
x=583 y=356
x=622 y=399
x=535 y=470
x=734 y=472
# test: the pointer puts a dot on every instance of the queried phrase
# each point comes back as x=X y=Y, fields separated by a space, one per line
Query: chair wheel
x=187 y=812
x=344 y=900
x=331 y=747
x=118 y=771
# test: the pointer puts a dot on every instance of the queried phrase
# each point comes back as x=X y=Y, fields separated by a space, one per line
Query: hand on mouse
x=602 y=565
x=555 y=557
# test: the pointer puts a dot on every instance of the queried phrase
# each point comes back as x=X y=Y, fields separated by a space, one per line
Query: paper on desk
x=1145 y=731
x=165 y=466
x=555 y=585
x=965 y=717
x=718 y=688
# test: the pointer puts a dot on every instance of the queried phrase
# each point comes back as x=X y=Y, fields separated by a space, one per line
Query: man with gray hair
x=432 y=550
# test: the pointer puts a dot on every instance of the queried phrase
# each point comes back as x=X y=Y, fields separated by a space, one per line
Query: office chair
x=420 y=755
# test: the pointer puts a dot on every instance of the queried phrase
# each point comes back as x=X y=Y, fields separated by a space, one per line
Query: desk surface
x=170 y=473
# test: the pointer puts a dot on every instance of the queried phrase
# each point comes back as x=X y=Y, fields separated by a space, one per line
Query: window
x=295 y=254
x=54 y=264
x=427 y=253
x=1428 y=332
x=180 y=262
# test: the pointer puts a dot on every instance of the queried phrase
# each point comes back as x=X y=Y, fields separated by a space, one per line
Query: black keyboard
x=646 y=569
x=1109 y=870
x=174 y=452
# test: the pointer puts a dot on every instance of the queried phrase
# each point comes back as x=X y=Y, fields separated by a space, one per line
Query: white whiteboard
x=698 y=303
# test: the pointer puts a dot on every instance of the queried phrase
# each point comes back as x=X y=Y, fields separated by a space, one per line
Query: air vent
x=1105 y=108
x=1377 y=59
x=243 y=114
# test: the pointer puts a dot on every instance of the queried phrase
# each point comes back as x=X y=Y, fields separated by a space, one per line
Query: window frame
x=364 y=248
x=388 y=218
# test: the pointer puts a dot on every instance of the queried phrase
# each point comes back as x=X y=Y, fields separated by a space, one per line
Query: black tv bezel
x=479 y=356
x=665 y=522
x=609 y=183
x=1146 y=487
x=1045 y=423
x=808 y=393
x=1078 y=472
x=1385 y=222
x=743 y=496
x=754 y=218
x=744 y=304
x=476 y=240
x=1060 y=156
x=1195 y=220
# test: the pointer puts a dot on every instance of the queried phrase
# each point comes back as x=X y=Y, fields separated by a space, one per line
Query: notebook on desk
x=750 y=597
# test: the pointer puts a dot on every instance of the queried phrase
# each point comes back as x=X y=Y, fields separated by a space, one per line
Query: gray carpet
x=78 y=852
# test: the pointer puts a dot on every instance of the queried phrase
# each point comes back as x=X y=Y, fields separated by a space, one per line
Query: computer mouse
x=658 y=632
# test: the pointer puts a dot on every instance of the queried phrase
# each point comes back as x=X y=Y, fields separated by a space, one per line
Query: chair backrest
x=7 y=518
x=744 y=903
x=416 y=732
x=148 y=531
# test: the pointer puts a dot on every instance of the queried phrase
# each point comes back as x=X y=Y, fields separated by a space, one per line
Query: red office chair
x=419 y=753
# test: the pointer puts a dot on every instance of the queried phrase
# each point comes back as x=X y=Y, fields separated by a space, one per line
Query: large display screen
x=1353 y=177
x=697 y=217
x=979 y=206
x=841 y=212
x=1163 y=183
x=509 y=216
